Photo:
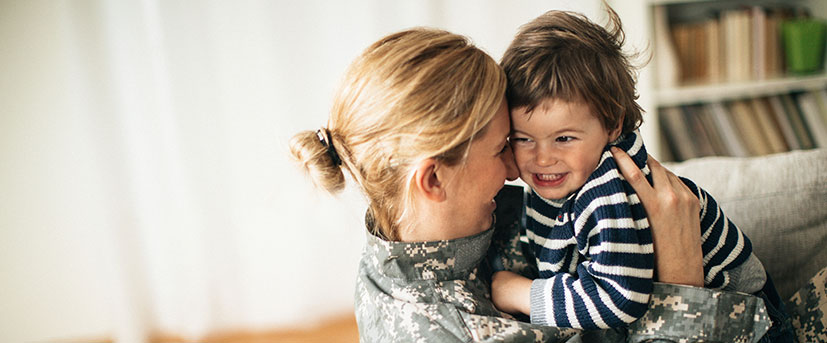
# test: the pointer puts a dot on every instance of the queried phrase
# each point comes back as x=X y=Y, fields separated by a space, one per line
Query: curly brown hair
x=564 y=55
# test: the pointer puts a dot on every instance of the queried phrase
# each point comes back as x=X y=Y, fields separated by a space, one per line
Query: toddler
x=571 y=93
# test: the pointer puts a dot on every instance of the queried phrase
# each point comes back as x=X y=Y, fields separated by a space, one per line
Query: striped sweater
x=594 y=248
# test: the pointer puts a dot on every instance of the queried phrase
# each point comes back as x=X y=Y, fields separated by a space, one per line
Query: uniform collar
x=434 y=260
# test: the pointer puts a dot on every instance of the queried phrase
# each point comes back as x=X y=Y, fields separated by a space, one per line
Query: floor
x=336 y=330
x=342 y=329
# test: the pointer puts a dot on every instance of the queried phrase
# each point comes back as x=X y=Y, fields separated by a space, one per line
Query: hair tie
x=324 y=135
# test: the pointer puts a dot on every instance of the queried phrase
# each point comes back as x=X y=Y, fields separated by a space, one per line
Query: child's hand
x=511 y=292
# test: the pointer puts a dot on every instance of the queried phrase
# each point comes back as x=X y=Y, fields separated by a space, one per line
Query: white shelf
x=683 y=2
x=729 y=91
x=671 y=2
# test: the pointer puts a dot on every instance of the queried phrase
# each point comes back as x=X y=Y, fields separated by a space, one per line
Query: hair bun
x=324 y=137
x=317 y=156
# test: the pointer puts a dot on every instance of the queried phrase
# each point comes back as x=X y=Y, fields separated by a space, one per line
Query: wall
x=145 y=179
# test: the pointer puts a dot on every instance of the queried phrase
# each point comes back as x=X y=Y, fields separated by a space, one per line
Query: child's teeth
x=549 y=177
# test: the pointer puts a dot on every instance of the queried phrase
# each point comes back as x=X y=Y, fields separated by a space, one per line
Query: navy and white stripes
x=594 y=249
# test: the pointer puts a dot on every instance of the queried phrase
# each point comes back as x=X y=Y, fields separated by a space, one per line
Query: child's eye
x=563 y=139
x=517 y=140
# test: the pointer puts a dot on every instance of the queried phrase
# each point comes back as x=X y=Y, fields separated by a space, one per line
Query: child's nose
x=545 y=157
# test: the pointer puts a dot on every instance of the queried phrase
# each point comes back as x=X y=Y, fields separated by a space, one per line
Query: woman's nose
x=511 y=171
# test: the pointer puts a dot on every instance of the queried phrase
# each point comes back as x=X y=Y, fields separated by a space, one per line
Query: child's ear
x=427 y=180
x=615 y=134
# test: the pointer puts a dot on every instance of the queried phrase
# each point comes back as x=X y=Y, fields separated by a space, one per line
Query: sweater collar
x=632 y=144
x=434 y=260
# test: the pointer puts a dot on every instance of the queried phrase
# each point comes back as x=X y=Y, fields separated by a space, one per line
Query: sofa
x=780 y=202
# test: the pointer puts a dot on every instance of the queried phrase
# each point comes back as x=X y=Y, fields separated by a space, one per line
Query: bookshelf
x=729 y=98
x=676 y=96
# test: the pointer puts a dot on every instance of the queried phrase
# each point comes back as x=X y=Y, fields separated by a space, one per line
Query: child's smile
x=550 y=180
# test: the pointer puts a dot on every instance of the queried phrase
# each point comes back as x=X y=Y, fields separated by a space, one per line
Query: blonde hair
x=416 y=94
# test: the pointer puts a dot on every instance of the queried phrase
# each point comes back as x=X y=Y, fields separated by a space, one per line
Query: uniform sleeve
x=808 y=309
x=678 y=312
x=498 y=329
x=612 y=287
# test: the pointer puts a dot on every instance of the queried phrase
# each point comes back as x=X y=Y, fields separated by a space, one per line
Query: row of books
x=746 y=127
x=732 y=45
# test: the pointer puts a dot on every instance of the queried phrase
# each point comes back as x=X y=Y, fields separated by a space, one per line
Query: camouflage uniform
x=435 y=292
x=807 y=308
x=440 y=292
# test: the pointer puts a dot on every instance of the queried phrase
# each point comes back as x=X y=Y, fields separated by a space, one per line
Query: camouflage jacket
x=808 y=309
x=440 y=292
x=435 y=292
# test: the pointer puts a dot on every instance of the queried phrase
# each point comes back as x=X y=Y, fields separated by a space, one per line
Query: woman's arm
x=673 y=212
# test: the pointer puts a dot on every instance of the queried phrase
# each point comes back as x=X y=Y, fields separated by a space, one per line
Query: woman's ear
x=427 y=180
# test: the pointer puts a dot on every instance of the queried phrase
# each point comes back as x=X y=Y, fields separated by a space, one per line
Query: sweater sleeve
x=725 y=247
x=611 y=287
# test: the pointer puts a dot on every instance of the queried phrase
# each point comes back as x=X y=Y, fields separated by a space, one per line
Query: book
x=681 y=37
x=666 y=154
x=713 y=54
x=821 y=97
x=759 y=42
x=813 y=119
x=729 y=134
x=737 y=44
x=700 y=46
x=744 y=43
x=774 y=139
x=731 y=35
x=745 y=122
x=700 y=139
x=796 y=121
x=783 y=122
x=774 y=56
x=713 y=133
x=677 y=133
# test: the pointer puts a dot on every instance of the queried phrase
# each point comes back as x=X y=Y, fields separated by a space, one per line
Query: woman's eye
x=516 y=140
x=564 y=138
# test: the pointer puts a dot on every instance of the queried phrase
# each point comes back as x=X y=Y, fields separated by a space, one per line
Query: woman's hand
x=511 y=292
x=673 y=212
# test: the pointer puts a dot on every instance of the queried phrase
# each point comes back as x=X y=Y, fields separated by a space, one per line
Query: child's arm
x=724 y=247
x=672 y=209
x=599 y=295
x=511 y=292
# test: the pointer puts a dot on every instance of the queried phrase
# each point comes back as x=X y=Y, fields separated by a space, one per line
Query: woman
x=420 y=124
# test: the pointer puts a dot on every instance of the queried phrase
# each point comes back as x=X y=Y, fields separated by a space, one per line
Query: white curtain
x=145 y=183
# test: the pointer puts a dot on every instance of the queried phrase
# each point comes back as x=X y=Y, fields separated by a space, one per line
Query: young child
x=571 y=93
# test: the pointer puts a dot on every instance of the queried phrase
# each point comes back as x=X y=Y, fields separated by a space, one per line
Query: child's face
x=558 y=146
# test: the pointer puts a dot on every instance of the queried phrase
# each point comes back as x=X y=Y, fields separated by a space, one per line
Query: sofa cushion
x=779 y=201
